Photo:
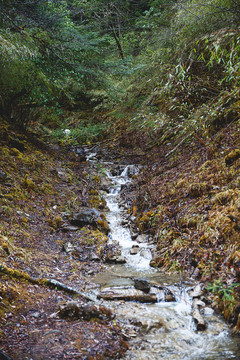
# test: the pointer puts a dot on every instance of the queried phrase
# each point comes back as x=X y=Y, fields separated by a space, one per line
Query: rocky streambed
x=163 y=316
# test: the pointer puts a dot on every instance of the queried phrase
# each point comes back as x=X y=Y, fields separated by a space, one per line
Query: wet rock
x=113 y=254
x=105 y=188
x=77 y=310
x=127 y=294
x=134 y=250
x=148 y=325
x=163 y=293
x=132 y=170
x=170 y=297
x=94 y=257
x=68 y=247
x=78 y=151
x=142 y=238
x=198 y=304
x=208 y=311
x=142 y=284
x=146 y=253
x=196 y=292
x=90 y=216
x=117 y=170
x=105 y=184
x=85 y=216
x=199 y=320
x=134 y=236
x=115 y=259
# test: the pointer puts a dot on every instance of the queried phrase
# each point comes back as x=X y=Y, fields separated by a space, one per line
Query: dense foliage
x=66 y=54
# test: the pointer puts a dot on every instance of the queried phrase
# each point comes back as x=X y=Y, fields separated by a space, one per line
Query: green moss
x=103 y=225
x=16 y=152
x=14 y=273
x=147 y=220
x=198 y=189
x=223 y=197
x=28 y=183
x=91 y=237
x=232 y=157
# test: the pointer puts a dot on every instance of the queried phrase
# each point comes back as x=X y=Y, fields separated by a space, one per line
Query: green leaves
x=218 y=288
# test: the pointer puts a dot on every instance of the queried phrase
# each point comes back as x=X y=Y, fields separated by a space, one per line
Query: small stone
x=134 y=250
x=36 y=315
x=94 y=257
x=134 y=236
x=142 y=238
x=198 y=304
x=196 y=292
x=170 y=298
x=3 y=176
x=68 y=247
x=208 y=311
x=146 y=253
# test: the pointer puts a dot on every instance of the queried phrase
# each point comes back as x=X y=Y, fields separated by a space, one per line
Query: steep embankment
x=190 y=205
x=187 y=197
x=44 y=196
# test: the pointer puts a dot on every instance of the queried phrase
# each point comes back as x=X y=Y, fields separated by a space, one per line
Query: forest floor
x=188 y=203
x=40 y=187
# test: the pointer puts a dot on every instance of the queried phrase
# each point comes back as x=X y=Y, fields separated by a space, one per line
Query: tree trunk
x=119 y=45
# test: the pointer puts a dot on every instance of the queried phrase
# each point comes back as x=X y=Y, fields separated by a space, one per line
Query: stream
x=164 y=329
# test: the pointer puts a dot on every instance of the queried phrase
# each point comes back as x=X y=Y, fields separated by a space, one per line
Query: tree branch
x=52 y=283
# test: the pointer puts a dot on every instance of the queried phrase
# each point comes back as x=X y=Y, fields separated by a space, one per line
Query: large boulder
x=90 y=216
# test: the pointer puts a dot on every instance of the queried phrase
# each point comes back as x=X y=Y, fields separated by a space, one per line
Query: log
x=199 y=320
x=60 y=286
x=4 y=356
x=178 y=145
x=127 y=294
x=52 y=283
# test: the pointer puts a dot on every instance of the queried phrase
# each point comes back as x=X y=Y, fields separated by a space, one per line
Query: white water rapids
x=164 y=330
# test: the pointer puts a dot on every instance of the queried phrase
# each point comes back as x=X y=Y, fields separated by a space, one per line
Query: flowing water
x=164 y=330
